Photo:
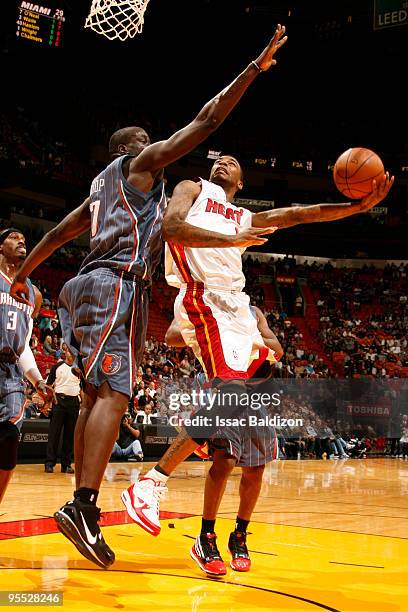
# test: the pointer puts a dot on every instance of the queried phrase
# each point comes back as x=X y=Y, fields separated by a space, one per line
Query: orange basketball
x=355 y=170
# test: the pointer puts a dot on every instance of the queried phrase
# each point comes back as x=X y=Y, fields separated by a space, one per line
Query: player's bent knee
x=222 y=465
x=253 y=473
x=9 y=436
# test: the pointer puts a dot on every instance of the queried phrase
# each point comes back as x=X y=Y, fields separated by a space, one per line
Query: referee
x=64 y=413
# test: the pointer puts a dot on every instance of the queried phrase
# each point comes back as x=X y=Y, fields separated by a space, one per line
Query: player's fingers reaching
x=265 y=59
x=386 y=184
x=379 y=192
x=251 y=236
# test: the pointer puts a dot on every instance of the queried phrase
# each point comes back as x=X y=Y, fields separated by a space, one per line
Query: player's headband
x=6 y=233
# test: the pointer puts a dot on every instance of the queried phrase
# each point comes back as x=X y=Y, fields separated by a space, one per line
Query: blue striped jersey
x=126 y=224
x=14 y=317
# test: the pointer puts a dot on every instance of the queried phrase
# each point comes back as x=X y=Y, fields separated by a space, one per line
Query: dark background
x=338 y=84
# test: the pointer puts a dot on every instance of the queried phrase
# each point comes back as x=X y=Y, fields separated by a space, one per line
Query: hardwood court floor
x=328 y=535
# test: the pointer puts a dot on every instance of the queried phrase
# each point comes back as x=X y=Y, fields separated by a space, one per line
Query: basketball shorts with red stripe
x=103 y=316
x=250 y=444
x=220 y=328
x=12 y=398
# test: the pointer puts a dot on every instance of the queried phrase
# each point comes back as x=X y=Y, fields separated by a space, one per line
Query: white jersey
x=214 y=267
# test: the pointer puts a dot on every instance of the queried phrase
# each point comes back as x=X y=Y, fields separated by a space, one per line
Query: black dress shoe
x=49 y=469
x=67 y=470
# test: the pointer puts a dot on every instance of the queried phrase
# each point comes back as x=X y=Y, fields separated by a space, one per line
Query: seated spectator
x=147 y=416
x=48 y=348
x=127 y=445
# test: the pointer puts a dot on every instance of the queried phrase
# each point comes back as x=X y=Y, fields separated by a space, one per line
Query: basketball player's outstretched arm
x=73 y=225
x=295 y=215
x=160 y=154
x=176 y=229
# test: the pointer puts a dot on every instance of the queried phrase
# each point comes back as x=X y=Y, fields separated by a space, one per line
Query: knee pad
x=9 y=437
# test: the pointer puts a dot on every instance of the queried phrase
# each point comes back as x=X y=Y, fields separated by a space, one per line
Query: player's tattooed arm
x=73 y=225
x=177 y=230
x=295 y=215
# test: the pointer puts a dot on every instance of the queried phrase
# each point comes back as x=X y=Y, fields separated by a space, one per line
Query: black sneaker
x=207 y=555
x=78 y=522
x=240 y=560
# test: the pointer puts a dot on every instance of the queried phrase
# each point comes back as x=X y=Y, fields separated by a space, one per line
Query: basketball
x=355 y=170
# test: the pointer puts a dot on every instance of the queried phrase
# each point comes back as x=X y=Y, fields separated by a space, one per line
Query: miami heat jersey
x=215 y=267
x=14 y=317
x=126 y=224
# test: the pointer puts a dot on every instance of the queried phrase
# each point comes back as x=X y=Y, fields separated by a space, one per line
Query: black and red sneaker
x=240 y=561
x=207 y=555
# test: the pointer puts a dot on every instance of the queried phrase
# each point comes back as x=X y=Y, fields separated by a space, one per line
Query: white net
x=117 y=18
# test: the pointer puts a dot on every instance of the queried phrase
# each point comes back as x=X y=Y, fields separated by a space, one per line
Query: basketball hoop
x=117 y=18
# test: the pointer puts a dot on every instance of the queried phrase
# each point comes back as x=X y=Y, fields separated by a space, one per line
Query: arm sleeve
x=27 y=361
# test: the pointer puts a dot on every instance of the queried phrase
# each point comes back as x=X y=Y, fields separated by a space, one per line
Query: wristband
x=256 y=66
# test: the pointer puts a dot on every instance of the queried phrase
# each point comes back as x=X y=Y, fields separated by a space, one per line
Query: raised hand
x=265 y=59
x=379 y=192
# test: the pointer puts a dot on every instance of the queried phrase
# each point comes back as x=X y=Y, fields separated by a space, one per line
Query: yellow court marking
x=294 y=568
x=325 y=535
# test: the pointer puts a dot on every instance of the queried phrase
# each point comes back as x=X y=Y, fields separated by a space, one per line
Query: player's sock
x=241 y=525
x=86 y=496
x=156 y=475
x=160 y=470
x=207 y=526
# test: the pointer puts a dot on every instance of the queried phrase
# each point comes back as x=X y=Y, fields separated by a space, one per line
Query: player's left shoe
x=78 y=522
x=207 y=556
x=142 y=503
x=240 y=561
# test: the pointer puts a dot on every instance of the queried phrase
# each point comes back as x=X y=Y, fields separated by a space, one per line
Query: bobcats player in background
x=203 y=257
x=16 y=357
x=250 y=448
x=103 y=311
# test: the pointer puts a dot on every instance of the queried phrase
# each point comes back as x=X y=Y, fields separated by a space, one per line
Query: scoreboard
x=39 y=24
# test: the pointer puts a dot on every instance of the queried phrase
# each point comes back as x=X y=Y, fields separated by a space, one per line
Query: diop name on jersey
x=225 y=211
x=5 y=298
x=97 y=185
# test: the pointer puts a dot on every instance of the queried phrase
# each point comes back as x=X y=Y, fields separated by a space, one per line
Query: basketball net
x=120 y=19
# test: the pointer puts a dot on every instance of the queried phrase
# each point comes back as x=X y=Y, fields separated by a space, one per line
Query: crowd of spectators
x=363 y=319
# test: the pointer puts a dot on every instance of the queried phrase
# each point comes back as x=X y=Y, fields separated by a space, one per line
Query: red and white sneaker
x=207 y=556
x=142 y=503
x=240 y=561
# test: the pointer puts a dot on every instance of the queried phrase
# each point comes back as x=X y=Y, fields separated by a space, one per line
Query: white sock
x=155 y=475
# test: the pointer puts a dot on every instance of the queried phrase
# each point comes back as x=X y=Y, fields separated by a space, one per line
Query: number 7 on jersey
x=94 y=209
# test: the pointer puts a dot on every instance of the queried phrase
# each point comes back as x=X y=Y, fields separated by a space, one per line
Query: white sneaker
x=142 y=503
